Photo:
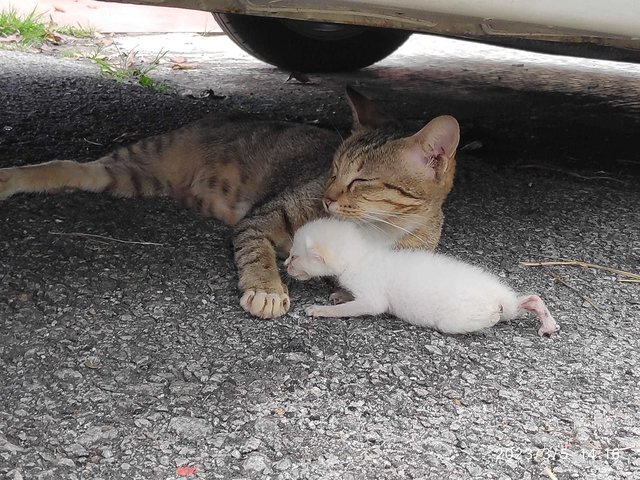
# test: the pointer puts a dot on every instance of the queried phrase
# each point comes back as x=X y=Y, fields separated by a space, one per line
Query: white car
x=335 y=35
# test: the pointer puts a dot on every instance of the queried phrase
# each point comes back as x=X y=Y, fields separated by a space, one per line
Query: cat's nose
x=327 y=202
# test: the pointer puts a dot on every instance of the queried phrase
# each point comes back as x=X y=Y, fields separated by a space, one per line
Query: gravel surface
x=134 y=360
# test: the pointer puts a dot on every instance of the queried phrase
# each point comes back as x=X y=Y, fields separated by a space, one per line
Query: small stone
x=107 y=453
x=474 y=470
x=7 y=446
x=251 y=445
x=97 y=434
x=92 y=362
x=15 y=475
x=433 y=349
x=284 y=464
x=235 y=453
x=255 y=463
x=68 y=375
x=218 y=440
x=191 y=427
x=184 y=388
x=142 y=423
x=76 y=450
x=125 y=466
x=67 y=462
x=267 y=427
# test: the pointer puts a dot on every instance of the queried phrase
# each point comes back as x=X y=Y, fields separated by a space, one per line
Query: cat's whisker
x=377 y=219
x=405 y=216
x=338 y=132
x=374 y=226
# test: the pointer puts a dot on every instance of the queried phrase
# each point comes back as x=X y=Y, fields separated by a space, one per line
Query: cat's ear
x=366 y=114
x=435 y=145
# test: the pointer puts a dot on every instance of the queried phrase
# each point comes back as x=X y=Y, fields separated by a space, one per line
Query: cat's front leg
x=255 y=243
x=263 y=293
x=355 y=308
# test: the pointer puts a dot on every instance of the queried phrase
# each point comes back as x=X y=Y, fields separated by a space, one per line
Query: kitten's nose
x=327 y=202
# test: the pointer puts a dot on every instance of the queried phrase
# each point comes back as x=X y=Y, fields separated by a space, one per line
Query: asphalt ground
x=124 y=352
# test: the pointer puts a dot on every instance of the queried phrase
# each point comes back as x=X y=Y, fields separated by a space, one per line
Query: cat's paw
x=265 y=304
x=340 y=296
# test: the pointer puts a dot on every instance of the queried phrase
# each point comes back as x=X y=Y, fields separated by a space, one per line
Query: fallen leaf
x=300 y=77
x=186 y=471
x=184 y=66
x=16 y=37
x=178 y=60
x=210 y=94
x=56 y=8
x=53 y=38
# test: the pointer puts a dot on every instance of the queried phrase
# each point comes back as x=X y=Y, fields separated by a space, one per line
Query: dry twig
x=629 y=276
x=573 y=174
x=557 y=278
x=102 y=237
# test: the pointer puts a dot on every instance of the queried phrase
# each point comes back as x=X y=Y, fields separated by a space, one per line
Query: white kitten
x=420 y=287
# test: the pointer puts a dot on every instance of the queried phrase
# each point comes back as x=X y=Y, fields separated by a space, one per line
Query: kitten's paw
x=548 y=330
x=264 y=304
x=340 y=296
x=314 y=311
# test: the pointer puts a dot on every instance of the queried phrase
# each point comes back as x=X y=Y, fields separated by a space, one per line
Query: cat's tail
x=126 y=172
x=518 y=307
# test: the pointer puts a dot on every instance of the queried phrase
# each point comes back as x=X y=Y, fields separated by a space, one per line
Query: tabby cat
x=268 y=178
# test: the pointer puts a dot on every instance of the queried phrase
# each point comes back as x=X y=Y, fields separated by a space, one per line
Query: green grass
x=127 y=67
x=78 y=31
x=34 y=30
x=31 y=28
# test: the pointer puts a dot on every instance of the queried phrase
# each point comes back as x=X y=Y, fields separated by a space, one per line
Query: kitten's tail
x=126 y=172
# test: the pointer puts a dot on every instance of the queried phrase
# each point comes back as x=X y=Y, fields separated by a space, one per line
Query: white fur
x=422 y=288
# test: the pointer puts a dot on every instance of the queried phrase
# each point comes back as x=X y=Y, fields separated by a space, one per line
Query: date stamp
x=515 y=453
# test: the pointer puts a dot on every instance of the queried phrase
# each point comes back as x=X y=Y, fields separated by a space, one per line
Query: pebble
x=97 y=434
x=191 y=427
x=255 y=463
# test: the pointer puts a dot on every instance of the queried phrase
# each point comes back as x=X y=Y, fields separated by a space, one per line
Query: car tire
x=310 y=46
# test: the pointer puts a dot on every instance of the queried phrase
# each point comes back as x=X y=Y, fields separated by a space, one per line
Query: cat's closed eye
x=360 y=180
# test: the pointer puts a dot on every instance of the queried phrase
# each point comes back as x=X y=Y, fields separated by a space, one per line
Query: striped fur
x=264 y=178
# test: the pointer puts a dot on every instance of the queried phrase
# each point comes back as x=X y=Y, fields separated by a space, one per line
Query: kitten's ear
x=366 y=114
x=435 y=145
x=313 y=249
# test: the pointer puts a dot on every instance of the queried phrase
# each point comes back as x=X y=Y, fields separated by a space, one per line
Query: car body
x=609 y=30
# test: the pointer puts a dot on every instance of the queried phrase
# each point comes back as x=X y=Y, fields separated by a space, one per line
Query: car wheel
x=310 y=46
